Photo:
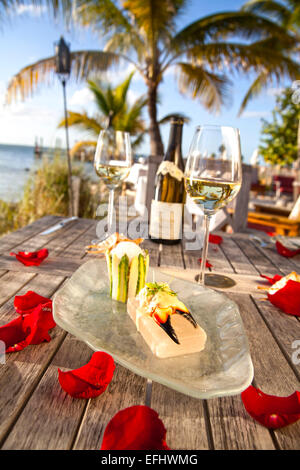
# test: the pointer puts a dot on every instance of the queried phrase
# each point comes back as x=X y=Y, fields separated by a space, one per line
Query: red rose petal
x=12 y=333
x=135 y=428
x=33 y=258
x=217 y=239
x=26 y=303
x=287 y=298
x=208 y=264
x=32 y=328
x=272 y=280
x=269 y=410
x=282 y=250
x=90 y=380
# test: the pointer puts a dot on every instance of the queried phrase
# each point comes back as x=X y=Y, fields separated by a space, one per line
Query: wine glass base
x=217 y=280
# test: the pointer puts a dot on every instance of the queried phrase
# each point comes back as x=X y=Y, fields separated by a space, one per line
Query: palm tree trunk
x=298 y=146
x=156 y=144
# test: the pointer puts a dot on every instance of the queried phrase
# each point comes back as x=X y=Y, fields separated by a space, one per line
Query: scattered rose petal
x=282 y=250
x=273 y=279
x=287 y=298
x=33 y=258
x=26 y=303
x=90 y=380
x=271 y=411
x=217 y=239
x=208 y=264
x=32 y=328
x=135 y=428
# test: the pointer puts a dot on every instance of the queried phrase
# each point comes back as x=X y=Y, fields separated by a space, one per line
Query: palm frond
x=121 y=91
x=155 y=18
x=82 y=144
x=245 y=25
x=211 y=89
x=276 y=10
x=242 y=57
x=261 y=81
x=126 y=44
x=99 y=96
x=102 y=15
x=83 y=65
x=168 y=117
x=82 y=121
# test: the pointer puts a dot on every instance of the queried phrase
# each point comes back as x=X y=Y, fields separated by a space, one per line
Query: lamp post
x=63 y=70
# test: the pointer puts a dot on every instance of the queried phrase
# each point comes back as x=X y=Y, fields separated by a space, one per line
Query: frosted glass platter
x=83 y=308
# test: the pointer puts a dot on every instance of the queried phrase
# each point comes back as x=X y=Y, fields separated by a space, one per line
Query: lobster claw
x=167 y=327
x=188 y=316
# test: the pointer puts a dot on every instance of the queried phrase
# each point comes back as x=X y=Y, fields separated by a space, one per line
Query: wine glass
x=213 y=177
x=112 y=163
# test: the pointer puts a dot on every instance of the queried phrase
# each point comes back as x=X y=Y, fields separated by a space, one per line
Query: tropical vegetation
x=144 y=34
x=287 y=14
x=46 y=192
x=279 y=136
x=112 y=106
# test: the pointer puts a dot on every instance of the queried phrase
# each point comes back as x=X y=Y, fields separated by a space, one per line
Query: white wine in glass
x=213 y=178
x=112 y=163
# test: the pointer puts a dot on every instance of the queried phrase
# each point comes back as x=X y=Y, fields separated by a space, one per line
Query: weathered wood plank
x=19 y=377
x=43 y=284
x=171 y=255
x=126 y=389
x=22 y=371
x=77 y=247
x=284 y=328
x=272 y=372
x=53 y=264
x=183 y=417
x=12 y=239
x=284 y=265
x=55 y=241
x=256 y=257
x=232 y=429
x=11 y=283
x=237 y=258
x=153 y=249
x=244 y=283
x=50 y=418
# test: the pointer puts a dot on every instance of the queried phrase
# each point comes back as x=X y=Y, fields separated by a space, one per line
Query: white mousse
x=130 y=249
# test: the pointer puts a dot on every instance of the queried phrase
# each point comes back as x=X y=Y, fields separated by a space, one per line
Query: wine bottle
x=167 y=206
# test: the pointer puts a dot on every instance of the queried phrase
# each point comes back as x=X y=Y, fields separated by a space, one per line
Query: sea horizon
x=17 y=162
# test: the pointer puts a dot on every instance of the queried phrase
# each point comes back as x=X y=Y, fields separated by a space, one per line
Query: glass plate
x=83 y=308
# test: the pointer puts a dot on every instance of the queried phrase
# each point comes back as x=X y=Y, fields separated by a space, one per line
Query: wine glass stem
x=110 y=210
x=204 y=249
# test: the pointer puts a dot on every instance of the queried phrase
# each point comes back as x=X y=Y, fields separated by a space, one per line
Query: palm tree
x=287 y=14
x=112 y=103
x=144 y=33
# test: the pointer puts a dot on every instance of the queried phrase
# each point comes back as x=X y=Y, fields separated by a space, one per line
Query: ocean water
x=17 y=162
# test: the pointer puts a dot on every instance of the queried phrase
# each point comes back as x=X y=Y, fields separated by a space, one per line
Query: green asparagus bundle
x=127 y=276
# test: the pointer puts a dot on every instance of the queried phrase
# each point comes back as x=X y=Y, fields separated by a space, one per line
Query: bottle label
x=166 y=220
x=170 y=167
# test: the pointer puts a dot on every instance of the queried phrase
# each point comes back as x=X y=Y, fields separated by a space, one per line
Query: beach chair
x=281 y=225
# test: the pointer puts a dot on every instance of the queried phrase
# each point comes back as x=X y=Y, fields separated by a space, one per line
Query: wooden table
x=35 y=413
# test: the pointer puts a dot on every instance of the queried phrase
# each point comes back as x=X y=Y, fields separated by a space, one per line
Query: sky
x=30 y=34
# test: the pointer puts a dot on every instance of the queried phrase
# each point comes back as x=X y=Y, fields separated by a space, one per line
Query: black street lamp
x=63 y=70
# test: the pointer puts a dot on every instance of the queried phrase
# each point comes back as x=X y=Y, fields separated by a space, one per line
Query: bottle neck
x=174 y=152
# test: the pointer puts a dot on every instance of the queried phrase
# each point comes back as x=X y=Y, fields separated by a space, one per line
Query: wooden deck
x=35 y=413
